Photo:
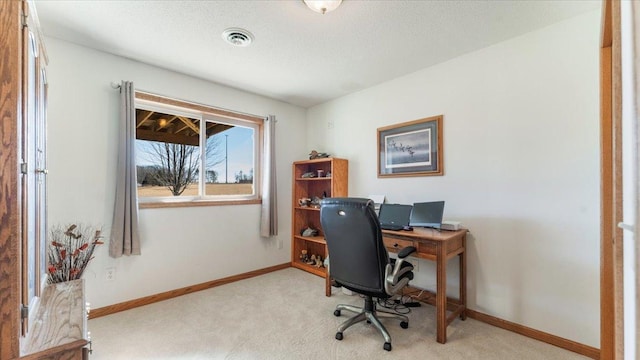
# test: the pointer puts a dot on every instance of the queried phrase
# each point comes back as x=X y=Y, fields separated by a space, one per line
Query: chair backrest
x=357 y=256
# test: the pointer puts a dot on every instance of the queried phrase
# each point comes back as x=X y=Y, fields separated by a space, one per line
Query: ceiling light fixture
x=322 y=6
x=237 y=37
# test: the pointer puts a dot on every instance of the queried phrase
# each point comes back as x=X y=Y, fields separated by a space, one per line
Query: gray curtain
x=269 y=216
x=124 y=231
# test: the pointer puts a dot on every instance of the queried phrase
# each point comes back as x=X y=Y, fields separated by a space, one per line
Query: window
x=33 y=180
x=191 y=153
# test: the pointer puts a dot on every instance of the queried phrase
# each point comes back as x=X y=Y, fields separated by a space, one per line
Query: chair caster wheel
x=339 y=336
x=387 y=346
x=404 y=324
x=336 y=313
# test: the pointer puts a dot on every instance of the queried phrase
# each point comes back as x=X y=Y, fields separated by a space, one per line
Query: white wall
x=521 y=161
x=180 y=247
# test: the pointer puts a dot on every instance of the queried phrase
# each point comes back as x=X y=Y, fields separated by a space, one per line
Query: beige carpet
x=285 y=315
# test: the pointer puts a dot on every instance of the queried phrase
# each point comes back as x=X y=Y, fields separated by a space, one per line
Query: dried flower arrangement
x=70 y=251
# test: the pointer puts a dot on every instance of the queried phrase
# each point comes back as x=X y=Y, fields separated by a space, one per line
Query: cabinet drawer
x=396 y=244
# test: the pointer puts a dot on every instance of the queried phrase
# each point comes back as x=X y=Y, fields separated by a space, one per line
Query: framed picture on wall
x=412 y=148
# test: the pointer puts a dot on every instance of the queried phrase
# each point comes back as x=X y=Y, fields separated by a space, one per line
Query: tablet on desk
x=427 y=214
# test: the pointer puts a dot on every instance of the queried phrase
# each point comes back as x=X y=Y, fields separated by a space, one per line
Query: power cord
x=395 y=305
x=402 y=305
x=413 y=299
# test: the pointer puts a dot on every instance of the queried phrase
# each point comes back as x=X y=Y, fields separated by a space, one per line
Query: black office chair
x=359 y=261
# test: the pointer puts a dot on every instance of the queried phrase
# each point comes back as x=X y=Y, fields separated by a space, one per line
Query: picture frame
x=412 y=148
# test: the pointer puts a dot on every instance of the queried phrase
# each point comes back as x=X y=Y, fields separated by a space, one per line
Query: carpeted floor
x=285 y=315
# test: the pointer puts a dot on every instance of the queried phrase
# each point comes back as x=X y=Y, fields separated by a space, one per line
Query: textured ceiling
x=298 y=56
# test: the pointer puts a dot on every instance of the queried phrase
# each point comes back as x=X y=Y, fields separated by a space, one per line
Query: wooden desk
x=438 y=246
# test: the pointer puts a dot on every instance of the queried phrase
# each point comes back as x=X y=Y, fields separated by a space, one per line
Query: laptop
x=427 y=214
x=394 y=216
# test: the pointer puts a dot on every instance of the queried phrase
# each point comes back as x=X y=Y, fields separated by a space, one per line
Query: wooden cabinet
x=60 y=322
x=314 y=179
x=33 y=316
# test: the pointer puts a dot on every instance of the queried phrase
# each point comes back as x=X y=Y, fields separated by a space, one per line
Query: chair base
x=371 y=314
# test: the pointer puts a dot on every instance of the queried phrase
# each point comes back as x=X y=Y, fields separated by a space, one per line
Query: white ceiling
x=298 y=56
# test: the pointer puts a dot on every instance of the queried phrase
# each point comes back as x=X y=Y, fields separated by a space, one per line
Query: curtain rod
x=115 y=85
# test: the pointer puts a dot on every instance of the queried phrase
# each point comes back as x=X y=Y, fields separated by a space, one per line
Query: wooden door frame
x=611 y=279
x=10 y=116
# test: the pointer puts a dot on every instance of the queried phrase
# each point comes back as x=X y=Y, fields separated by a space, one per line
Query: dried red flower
x=70 y=251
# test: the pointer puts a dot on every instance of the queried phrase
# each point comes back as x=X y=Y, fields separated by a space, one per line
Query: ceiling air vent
x=237 y=37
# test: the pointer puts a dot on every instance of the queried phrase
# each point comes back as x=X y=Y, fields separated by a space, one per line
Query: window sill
x=194 y=203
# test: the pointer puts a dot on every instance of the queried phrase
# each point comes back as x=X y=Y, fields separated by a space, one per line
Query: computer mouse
x=407 y=228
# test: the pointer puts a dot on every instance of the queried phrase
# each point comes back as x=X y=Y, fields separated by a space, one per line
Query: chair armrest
x=398 y=270
x=393 y=274
x=406 y=252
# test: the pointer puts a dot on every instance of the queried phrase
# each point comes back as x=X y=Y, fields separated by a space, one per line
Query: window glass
x=188 y=154
x=229 y=160
x=42 y=180
x=167 y=154
x=30 y=160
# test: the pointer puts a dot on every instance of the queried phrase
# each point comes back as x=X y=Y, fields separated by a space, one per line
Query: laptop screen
x=394 y=214
x=427 y=214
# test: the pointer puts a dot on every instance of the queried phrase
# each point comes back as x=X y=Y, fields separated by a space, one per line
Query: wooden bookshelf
x=333 y=183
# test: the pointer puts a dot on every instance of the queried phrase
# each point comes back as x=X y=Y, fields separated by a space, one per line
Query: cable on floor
x=398 y=306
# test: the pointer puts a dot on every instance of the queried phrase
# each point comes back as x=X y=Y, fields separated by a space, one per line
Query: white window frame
x=206 y=114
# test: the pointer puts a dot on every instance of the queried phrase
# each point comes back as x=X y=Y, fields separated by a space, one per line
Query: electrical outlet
x=330 y=125
x=110 y=274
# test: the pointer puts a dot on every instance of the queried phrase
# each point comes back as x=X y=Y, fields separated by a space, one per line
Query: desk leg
x=327 y=285
x=441 y=293
x=463 y=278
